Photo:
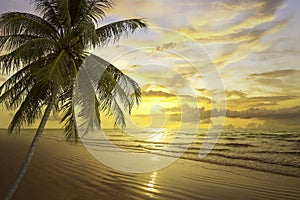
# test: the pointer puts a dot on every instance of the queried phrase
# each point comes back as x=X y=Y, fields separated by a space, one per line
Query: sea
x=268 y=150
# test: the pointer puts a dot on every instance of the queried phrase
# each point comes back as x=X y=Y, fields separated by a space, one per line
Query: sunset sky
x=252 y=45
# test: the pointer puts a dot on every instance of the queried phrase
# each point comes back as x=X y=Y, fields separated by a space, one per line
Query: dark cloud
x=284 y=113
x=236 y=93
x=260 y=101
x=152 y=93
x=271 y=6
x=204 y=91
x=189 y=114
x=135 y=66
x=284 y=116
x=166 y=46
x=181 y=96
x=204 y=100
x=277 y=73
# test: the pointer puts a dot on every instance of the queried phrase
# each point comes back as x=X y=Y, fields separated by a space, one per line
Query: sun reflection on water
x=151 y=185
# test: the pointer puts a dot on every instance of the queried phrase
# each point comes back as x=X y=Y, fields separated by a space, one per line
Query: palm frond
x=12 y=97
x=115 y=92
x=92 y=10
x=97 y=111
x=49 y=12
x=120 y=85
x=84 y=98
x=67 y=13
x=117 y=112
x=28 y=52
x=18 y=23
x=9 y=43
x=84 y=33
x=68 y=118
x=30 y=109
x=113 y=32
x=56 y=71
x=14 y=79
x=63 y=11
x=97 y=8
x=15 y=88
x=116 y=96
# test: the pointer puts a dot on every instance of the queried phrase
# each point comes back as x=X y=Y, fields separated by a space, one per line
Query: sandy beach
x=67 y=171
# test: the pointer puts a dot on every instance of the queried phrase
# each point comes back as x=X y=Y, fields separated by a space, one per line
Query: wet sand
x=64 y=171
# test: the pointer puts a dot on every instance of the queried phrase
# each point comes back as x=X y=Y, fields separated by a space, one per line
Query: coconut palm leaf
x=30 y=109
x=113 y=31
x=18 y=23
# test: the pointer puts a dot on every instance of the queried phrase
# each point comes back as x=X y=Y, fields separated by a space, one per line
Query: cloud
x=235 y=93
x=269 y=118
x=187 y=114
x=243 y=36
x=206 y=100
x=286 y=116
x=284 y=113
x=166 y=46
x=277 y=73
x=284 y=81
x=155 y=94
x=152 y=93
x=232 y=20
x=135 y=66
x=208 y=21
x=259 y=101
x=230 y=31
x=203 y=91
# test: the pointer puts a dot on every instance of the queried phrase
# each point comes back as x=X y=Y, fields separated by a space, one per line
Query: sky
x=200 y=59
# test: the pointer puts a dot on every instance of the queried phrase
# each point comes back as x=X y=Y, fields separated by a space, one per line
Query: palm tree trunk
x=31 y=150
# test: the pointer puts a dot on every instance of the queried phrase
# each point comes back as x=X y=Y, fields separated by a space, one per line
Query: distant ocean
x=272 y=151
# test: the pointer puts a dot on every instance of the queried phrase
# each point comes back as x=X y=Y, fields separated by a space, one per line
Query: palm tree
x=43 y=54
